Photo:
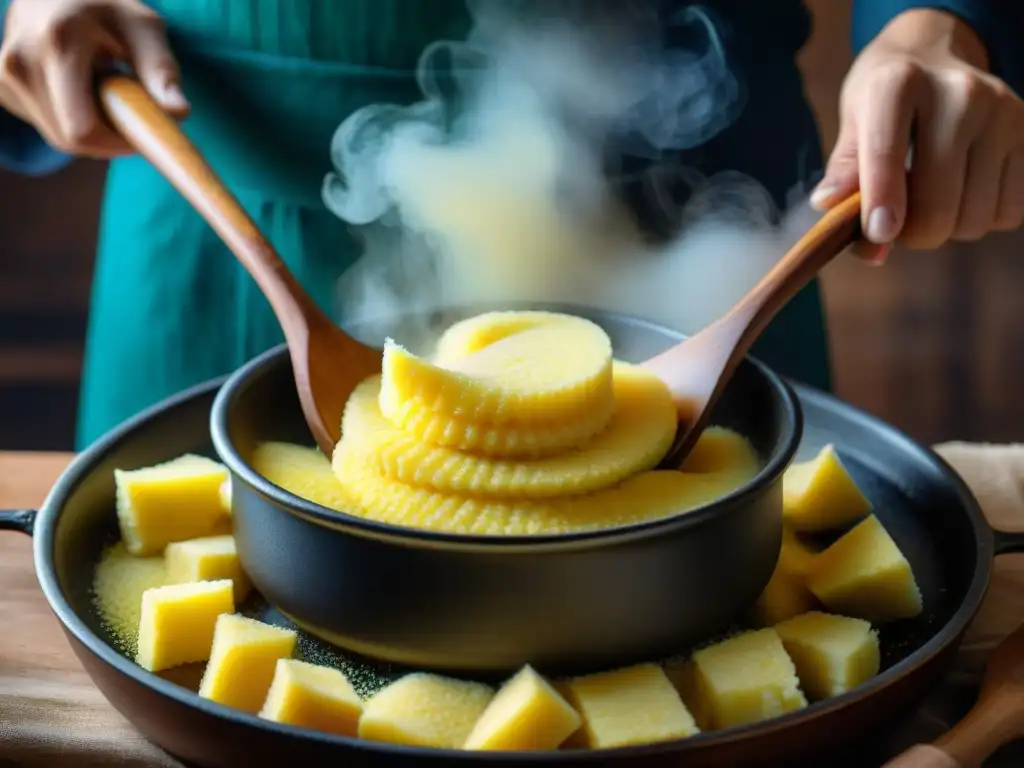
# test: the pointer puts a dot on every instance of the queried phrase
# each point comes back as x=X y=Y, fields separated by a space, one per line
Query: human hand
x=50 y=54
x=926 y=74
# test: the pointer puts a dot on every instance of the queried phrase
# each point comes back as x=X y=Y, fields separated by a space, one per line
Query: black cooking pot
x=488 y=604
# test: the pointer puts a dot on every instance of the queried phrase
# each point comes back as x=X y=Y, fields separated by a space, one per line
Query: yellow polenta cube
x=243 y=660
x=177 y=622
x=784 y=597
x=527 y=713
x=206 y=559
x=636 y=705
x=832 y=654
x=425 y=710
x=682 y=673
x=820 y=495
x=795 y=555
x=578 y=738
x=225 y=495
x=314 y=697
x=864 y=574
x=174 y=501
x=746 y=679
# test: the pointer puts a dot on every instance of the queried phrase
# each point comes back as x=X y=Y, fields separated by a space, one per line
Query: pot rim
x=236 y=384
x=987 y=545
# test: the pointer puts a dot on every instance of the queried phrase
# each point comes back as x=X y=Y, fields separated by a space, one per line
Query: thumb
x=146 y=39
x=840 y=178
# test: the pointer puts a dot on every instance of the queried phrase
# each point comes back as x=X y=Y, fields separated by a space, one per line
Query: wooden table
x=33 y=651
x=34 y=641
x=69 y=720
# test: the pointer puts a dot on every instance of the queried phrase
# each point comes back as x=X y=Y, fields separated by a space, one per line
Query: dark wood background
x=932 y=343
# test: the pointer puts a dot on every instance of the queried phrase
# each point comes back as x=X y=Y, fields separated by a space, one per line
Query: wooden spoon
x=996 y=719
x=697 y=369
x=328 y=363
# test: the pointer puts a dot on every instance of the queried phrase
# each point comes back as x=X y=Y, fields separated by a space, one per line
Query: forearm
x=22 y=149
x=998 y=23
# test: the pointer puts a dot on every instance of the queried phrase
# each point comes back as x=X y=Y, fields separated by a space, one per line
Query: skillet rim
x=85 y=464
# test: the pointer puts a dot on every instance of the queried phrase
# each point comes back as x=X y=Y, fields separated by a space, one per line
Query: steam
x=503 y=184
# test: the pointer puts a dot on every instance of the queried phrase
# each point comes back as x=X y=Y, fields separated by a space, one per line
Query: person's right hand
x=50 y=54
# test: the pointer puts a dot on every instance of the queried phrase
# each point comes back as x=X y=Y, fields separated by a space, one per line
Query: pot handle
x=1007 y=542
x=23 y=520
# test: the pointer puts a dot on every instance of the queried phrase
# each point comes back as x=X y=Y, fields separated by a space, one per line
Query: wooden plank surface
x=50 y=712
x=34 y=641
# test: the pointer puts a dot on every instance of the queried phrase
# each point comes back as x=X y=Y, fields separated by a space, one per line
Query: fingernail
x=881 y=225
x=173 y=96
x=821 y=195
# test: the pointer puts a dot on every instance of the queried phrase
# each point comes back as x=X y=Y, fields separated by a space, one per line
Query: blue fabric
x=23 y=150
x=999 y=23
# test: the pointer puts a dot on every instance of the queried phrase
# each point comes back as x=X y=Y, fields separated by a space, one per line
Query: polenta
x=243 y=661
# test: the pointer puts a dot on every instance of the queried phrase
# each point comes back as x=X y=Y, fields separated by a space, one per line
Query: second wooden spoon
x=996 y=719
x=328 y=363
x=697 y=369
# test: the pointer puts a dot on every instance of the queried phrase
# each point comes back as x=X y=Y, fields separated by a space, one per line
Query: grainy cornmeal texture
x=523 y=423
x=118 y=583
x=120 y=579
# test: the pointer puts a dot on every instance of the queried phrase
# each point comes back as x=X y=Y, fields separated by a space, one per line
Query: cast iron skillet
x=486 y=605
x=930 y=512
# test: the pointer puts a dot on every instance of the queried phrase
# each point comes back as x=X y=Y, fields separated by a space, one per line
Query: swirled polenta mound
x=539 y=387
x=523 y=424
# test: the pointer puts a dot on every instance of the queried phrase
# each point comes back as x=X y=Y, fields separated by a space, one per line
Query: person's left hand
x=925 y=78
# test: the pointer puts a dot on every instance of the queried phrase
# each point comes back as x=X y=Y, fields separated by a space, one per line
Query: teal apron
x=269 y=81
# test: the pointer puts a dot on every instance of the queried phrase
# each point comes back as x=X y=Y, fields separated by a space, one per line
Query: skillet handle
x=1008 y=541
x=23 y=520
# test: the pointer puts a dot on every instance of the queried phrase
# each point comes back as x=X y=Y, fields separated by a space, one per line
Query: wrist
x=930 y=29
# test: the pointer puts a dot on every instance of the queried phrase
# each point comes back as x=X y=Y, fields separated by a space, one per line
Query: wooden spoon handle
x=831 y=234
x=157 y=137
x=923 y=756
x=994 y=721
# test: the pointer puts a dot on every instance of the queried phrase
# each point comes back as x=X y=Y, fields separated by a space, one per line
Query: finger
x=19 y=84
x=883 y=140
x=69 y=82
x=15 y=83
x=871 y=253
x=1010 y=210
x=840 y=179
x=980 y=200
x=155 y=65
x=948 y=124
